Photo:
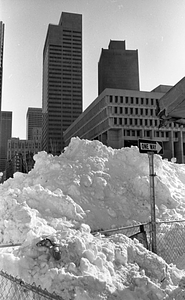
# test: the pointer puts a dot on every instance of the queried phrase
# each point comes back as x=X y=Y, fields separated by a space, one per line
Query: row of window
x=71 y=50
x=71 y=70
x=14 y=145
x=134 y=111
x=72 y=54
x=72 y=45
x=70 y=64
x=72 y=31
x=136 y=122
x=132 y=100
x=147 y=133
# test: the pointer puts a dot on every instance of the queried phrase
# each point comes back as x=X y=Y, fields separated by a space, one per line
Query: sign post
x=152 y=202
x=152 y=147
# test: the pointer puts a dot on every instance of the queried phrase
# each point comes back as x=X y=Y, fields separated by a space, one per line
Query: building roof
x=171 y=106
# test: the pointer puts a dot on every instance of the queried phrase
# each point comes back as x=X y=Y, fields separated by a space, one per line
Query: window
x=126 y=110
x=116 y=99
x=176 y=135
x=141 y=111
x=121 y=110
x=137 y=100
x=125 y=120
x=110 y=98
x=115 y=110
x=146 y=101
x=147 y=133
x=121 y=99
x=138 y=133
x=142 y=100
x=131 y=110
x=131 y=100
x=152 y=101
x=130 y=120
x=156 y=133
x=126 y=99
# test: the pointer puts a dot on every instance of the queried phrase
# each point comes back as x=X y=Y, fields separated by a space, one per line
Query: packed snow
x=53 y=210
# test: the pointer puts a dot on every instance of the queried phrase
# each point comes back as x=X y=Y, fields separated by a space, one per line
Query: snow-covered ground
x=86 y=188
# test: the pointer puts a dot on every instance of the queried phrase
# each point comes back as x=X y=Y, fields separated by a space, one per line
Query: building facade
x=118 y=118
x=20 y=155
x=33 y=120
x=37 y=134
x=1 y=58
x=5 y=134
x=118 y=68
x=62 y=80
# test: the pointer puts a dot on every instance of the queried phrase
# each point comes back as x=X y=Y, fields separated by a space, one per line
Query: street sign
x=147 y=146
x=151 y=147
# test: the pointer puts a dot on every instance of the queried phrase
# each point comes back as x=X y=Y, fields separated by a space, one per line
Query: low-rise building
x=20 y=154
x=118 y=118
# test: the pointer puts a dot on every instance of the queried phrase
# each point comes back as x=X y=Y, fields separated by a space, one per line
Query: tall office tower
x=118 y=68
x=5 y=135
x=62 y=80
x=1 y=58
x=33 y=120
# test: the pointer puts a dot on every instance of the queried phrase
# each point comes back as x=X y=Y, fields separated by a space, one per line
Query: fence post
x=152 y=202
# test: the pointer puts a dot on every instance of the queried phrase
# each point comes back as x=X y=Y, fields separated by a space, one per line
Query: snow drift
x=90 y=187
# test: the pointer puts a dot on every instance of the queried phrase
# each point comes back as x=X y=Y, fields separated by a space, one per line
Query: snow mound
x=90 y=187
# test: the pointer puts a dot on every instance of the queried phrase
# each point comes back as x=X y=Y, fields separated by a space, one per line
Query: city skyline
x=152 y=27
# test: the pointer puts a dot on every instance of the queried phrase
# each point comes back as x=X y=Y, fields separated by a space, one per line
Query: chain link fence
x=12 y=288
x=170 y=238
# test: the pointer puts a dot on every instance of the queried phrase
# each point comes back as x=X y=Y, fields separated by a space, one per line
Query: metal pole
x=152 y=202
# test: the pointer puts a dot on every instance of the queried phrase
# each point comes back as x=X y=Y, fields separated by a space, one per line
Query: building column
x=169 y=147
x=179 y=148
x=113 y=138
x=121 y=138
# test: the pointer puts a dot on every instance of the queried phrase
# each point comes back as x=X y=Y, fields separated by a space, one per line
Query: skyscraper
x=33 y=120
x=118 y=68
x=62 y=80
x=1 y=58
x=5 y=116
x=5 y=135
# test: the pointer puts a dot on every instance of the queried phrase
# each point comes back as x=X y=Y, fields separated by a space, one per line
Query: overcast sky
x=154 y=27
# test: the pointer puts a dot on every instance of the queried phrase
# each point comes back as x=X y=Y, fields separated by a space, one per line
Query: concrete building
x=118 y=68
x=20 y=154
x=33 y=120
x=118 y=118
x=1 y=58
x=62 y=80
x=5 y=134
x=37 y=134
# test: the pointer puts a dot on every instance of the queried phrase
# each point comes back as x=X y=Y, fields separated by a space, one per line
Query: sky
x=155 y=28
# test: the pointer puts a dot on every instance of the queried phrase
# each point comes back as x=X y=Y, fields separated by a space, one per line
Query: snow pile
x=90 y=187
